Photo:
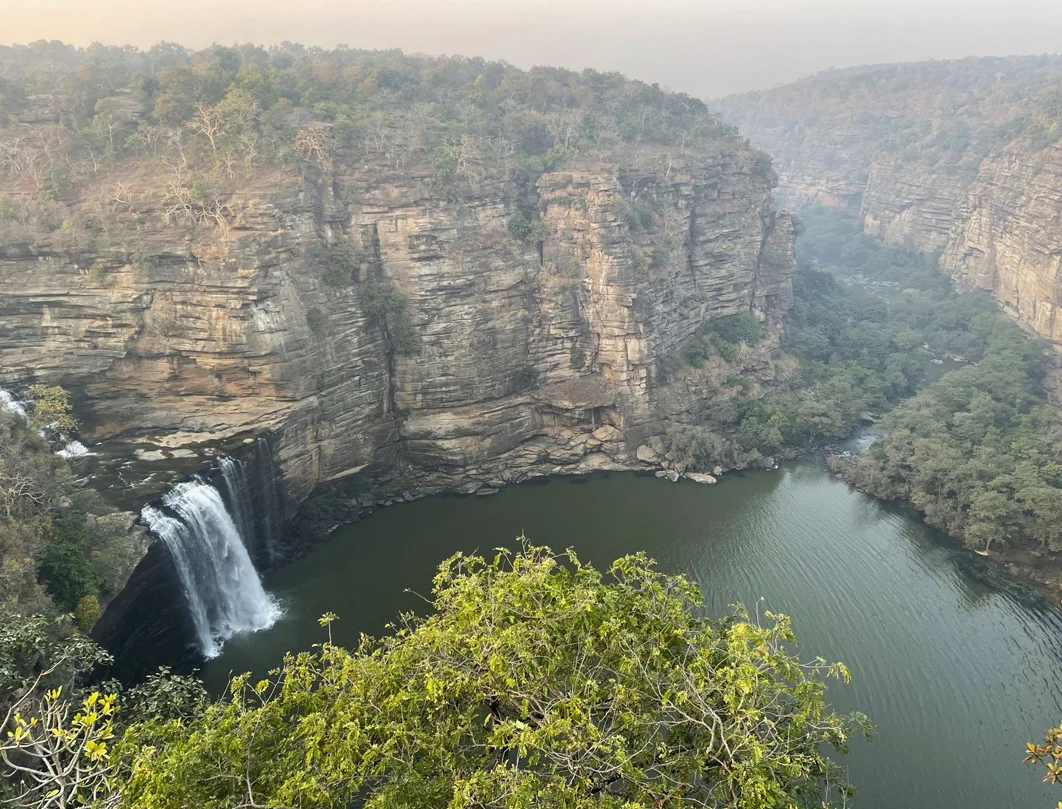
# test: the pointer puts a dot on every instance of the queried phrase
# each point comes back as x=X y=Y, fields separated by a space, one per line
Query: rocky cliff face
x=185 y=335
x=912 y=206
x=959 y=157
x=1008 y=236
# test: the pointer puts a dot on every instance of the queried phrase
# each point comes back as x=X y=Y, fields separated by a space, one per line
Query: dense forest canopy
x=247 y=106
x=978 y=452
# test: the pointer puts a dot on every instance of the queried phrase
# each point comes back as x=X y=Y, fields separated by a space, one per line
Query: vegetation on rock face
x=52 y=409
x=318 y=322
x=59 y=543
x=386 y=308
x=342 y=264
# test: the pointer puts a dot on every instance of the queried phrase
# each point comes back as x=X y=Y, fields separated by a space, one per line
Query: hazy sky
x=704 y=47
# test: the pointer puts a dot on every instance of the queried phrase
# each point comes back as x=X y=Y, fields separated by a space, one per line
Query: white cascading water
x=239 y=499
x=73 y=449
x=10 y=404
x=224 y=593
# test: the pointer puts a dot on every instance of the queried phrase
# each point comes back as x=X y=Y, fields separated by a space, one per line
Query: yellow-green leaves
x=536 y=681
x=1049 y=754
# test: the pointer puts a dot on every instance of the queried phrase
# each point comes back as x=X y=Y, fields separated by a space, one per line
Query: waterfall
x=73 y=449
x=10 y=404
x=224 y=593
x=271 y=517
x=237 y=495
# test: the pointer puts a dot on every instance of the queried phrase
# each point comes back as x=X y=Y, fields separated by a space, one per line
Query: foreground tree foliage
x=1048 y=754
x=55 y=731
x=536 y=681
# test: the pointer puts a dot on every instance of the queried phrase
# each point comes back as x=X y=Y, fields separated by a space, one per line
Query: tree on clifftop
x=535 y=681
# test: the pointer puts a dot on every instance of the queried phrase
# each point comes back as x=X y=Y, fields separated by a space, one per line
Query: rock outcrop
x=533 y=357
x=912 y=206
x=1008 y=236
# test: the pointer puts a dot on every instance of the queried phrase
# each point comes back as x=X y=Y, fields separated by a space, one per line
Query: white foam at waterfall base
x=73 y=449
x=225 y=595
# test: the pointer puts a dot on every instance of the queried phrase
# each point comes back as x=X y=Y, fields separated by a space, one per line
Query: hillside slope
x=959 y=157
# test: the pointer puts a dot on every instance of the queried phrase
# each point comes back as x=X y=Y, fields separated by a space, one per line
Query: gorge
x=284 y=289
x=958 y=157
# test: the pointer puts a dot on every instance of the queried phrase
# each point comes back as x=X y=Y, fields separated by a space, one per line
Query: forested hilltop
x=962 y=157
x=949 y=114
x=225 y=110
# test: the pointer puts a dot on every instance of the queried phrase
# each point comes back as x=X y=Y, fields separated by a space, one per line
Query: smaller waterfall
x=10 y=404
x=237 y=495
x=272 y=520
x=224 y=593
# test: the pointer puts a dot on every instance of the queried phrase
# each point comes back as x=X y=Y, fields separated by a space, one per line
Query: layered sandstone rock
x=1008 y=236
x=912 y=206
x=195 y=334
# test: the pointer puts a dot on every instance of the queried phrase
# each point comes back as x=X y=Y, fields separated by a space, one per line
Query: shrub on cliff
x=342 y=264
x=318 y=323
x=56 y=543
x=385 y=307
x=535 y=681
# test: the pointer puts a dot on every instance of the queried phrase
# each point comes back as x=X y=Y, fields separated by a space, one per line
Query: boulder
x=672 y=475
x=646 y=454
x=697 y=477
x=608 y=433
x=717 y=471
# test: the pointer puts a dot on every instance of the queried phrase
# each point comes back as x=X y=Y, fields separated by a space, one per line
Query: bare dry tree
x=564 y=126
x=32 y=154
x=311 y=143
x=183 y=200
x=378 y=133
x=501 y=149
x=464 y=150
x=19 y=490
x=209 y=123
x=57 y=760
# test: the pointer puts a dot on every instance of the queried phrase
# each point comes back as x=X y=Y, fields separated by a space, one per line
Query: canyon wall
x=191 y=335
x=960 y=158
x=1008 y=236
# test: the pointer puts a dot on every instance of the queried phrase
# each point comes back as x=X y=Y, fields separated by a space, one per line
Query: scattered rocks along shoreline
x=331 y=508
